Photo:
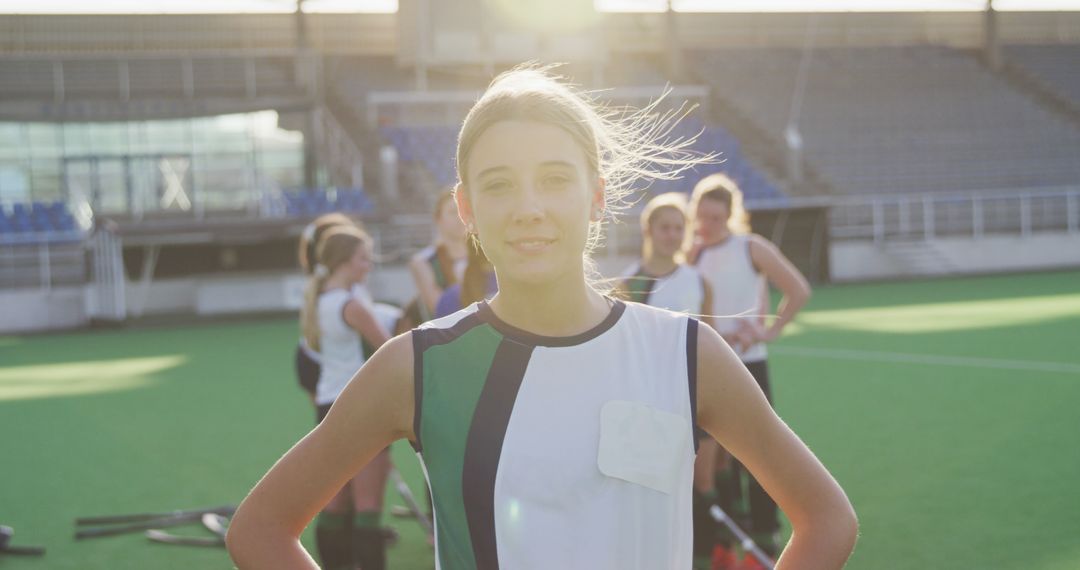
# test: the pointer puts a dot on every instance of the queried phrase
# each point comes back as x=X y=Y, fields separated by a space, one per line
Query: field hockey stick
x=101 y=531
x=216 y=524
x=410 y=500
x=225 y=510
x=745 y=541
x=161 y=536
x=6 y=532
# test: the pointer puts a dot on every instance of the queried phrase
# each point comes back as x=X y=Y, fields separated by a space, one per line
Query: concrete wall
x=858 y=261
x=30 y=310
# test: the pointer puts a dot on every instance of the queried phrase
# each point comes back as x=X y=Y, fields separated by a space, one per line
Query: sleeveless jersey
x=737 y=287
x=558 y=452
x=339 y=344
x=438 y=259
x=682 y=290
x=359 y=291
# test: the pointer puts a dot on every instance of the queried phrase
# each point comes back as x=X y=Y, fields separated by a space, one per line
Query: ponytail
x=309 y=314
x=336 y=247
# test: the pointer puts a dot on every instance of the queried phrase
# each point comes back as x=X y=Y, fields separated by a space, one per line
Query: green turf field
x=949 y=411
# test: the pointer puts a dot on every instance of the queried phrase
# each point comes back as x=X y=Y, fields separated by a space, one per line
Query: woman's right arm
x=375 y=409
x=733 y=409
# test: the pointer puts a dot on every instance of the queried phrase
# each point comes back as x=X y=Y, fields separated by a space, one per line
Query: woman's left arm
x=733 y=409
x=782 y=274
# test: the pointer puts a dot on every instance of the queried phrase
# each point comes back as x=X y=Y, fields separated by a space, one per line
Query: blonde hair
x=723 y=189
x=337 y=246
x=623 y=146
x=309 y=238
x=666 y=201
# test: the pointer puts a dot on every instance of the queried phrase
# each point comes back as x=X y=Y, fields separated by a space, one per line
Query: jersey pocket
x=642 y=445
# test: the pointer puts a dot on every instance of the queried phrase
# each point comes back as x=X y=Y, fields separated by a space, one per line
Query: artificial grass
x=967 y=464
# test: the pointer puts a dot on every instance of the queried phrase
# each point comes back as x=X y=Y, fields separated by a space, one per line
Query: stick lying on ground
x=143 y=521
x=747 y=543
x=213 y=522
x=226 y=510
x=6 y=532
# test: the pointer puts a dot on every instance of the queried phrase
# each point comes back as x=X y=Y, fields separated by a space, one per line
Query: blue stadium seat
x=353 y=200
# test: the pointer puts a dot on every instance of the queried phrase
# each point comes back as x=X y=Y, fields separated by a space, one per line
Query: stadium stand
x=889 y=120
x=306 y=203
x=1058 y=66
x=38 y=222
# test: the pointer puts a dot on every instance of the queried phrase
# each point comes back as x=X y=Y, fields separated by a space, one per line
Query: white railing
x=968 y=214
x=41 y=265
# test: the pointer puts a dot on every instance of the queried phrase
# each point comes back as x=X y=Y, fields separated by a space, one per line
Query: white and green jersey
x=558 y=452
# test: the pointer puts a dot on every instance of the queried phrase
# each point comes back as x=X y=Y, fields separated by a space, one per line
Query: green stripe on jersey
x=454 y=376
x=639 y=287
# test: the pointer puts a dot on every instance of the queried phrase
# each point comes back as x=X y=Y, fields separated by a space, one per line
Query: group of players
x=558 y=421
x=698 y=257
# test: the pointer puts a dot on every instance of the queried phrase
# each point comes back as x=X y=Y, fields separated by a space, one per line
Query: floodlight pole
x=304 y=71
x=673 y=47
x=991 y=50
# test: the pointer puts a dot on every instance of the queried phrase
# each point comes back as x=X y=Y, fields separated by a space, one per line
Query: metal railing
x=41 y=265
x=969 y=214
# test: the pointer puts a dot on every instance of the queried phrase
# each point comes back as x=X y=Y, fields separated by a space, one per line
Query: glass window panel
x=14 y=182
x=282 y=169
x=167 y=137
x=12 y=143
x=77 y=139
x=224 y=182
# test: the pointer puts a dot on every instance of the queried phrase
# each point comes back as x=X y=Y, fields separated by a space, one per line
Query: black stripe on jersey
x=691 y=372
x=423 y=339
x=484 y=447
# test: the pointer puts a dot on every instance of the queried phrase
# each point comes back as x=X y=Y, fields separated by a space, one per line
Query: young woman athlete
x=554 y=422
x=442 y=263
x=662 y=279
x=307 y=360
x=739 y=265
x=336 y=323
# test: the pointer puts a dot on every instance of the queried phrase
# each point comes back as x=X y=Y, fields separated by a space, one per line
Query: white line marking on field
x=908 y=358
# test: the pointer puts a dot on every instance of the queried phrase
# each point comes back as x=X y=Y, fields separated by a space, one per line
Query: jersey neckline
x=525 y=337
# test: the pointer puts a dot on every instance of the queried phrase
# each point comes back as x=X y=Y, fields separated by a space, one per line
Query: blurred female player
x=739 y=265
x=661 y=279
x=335 y=324
x=307 y=360
x=554 y=422
x=477 y=284
x=442 y=263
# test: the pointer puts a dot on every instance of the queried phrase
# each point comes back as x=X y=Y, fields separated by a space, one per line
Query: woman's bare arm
x=782 y=274
x=363 y=321
x=375 y=409
x=732 y=408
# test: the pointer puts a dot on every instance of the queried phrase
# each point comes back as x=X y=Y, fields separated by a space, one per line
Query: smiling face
x=529 y=194
x=666 y=231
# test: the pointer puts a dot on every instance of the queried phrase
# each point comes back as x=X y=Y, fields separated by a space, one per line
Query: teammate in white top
x=740 y=265
x=442 y=263
x=661 y=278
x=539 y=170
x=335 y=324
